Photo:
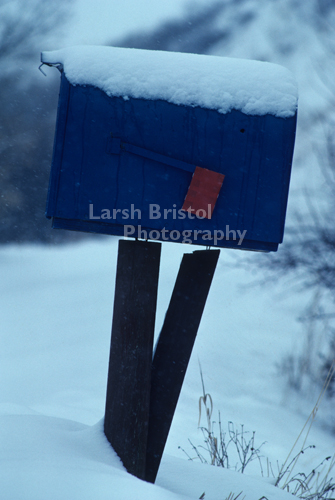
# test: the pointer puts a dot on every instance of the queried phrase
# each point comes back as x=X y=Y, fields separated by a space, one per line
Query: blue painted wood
x=63 y=103
x=253 y=152
x=117 y=147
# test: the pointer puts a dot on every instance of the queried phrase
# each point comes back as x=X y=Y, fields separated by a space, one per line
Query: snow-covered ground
x=56 y=307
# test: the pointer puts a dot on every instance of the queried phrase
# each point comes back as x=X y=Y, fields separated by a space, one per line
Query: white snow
x=44 y=457
x=212 y=82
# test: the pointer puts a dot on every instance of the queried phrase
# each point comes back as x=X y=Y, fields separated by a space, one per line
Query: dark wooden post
x=128 y=386
x=174 y=349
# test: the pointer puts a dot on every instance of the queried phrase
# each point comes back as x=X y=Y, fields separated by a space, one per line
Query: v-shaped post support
x=142 y=393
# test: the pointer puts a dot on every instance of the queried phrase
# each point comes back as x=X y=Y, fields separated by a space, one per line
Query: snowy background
x=56 y=301
x=56 y=315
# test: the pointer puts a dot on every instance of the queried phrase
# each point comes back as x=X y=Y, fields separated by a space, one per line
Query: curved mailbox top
x=174 y=147
x=211 y=82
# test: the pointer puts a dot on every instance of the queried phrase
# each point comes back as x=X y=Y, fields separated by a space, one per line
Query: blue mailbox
x=172 y=147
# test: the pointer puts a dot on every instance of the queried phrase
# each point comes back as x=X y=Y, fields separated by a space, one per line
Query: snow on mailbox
x=172 y=147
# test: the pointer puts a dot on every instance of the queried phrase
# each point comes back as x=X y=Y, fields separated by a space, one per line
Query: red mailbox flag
x=203 y=192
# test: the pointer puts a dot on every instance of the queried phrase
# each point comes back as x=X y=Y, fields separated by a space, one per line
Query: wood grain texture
x=174 y=348
x=128 y=387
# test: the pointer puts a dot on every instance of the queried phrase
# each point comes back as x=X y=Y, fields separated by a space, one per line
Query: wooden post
x=174 y=349
x=128 y=386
